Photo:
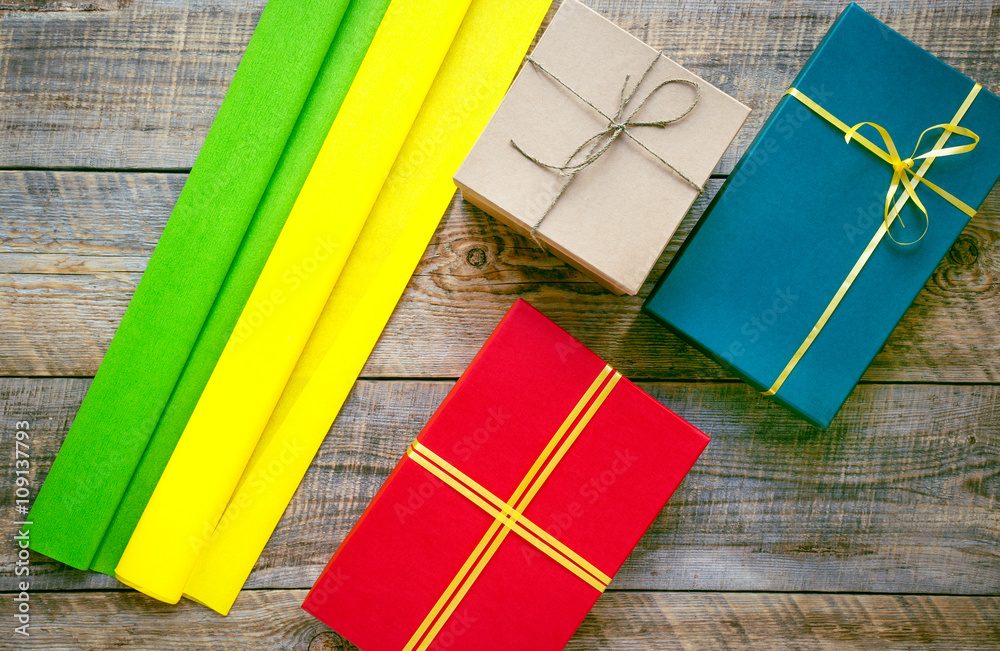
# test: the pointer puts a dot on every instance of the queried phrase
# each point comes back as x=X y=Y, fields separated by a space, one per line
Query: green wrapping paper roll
x=357 y=28
x=185 y=273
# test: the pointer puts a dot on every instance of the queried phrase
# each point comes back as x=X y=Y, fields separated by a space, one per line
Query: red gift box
x=508 y=515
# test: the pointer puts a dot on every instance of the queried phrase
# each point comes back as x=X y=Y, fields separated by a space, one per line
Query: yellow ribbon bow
x=902 y=171
x=901 y=168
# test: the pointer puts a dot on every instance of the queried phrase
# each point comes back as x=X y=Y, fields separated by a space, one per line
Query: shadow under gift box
x=799 y=209
x=539 y=423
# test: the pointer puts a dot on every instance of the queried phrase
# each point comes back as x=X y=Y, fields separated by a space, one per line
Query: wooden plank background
x=883 y=530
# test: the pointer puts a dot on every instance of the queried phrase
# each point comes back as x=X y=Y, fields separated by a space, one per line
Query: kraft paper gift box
x=615 y=215
x=788 y=280
x=518 y=501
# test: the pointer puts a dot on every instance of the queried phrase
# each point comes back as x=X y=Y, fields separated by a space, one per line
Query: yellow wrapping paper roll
x=328 y=215
x=477 y=71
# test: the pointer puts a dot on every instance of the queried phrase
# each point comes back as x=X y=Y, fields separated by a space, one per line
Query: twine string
x=618 y=125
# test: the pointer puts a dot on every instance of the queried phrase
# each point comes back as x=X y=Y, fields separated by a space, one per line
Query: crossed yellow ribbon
x=509 y=516
x=902 y=175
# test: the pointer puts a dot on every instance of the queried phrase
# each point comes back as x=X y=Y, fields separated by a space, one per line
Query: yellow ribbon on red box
x=509 y=516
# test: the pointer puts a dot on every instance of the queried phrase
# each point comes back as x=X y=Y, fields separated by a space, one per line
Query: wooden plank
x=62 y=5
x=636 y=621
x=128 y=620
x=901 y=494
x=76 y=243
x=950 y=333
x=131 y=87
x=776 y=622
x=136 y=85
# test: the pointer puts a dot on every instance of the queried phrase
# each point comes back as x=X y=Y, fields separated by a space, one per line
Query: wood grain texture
x=62 y=5
x=881 y=532
x=137 y=86
x=901 y=494
x=732 y=621
x=132 y=87
x=269 y=620
x=76 y=244
x=638 y=621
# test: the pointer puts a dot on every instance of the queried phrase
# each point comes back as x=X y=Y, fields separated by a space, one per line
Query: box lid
x=493 y=426
x=618 y=215
x=793 y=218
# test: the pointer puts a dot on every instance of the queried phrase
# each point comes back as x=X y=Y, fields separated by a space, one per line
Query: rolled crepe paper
x=296 y=282
x=479 y=67
x=183 y=277
x=357 y=28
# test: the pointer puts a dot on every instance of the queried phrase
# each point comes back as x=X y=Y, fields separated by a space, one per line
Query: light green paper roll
x=356 y=31
x=185 y=273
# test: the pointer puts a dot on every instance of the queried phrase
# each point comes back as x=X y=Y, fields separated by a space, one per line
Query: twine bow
x=902 y=170
x=620 y=124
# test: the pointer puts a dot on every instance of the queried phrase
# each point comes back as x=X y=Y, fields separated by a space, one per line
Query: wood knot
x=330 y=641
x=965 y=251
x=476 y=257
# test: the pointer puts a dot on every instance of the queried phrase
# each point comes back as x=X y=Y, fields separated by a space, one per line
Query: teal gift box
x=789 y=279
